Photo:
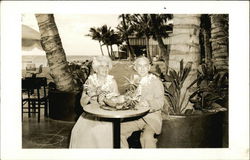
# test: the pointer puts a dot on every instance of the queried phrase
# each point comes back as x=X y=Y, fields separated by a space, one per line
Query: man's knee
x=148 y=139
x=147 y=135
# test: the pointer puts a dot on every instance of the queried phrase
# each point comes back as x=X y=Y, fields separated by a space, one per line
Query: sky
x=72 y=29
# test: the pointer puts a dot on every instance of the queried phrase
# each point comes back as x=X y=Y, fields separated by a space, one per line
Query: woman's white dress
x=90 y=131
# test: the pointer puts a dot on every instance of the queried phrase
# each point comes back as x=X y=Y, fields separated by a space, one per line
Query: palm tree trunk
x=147 y=49
x=108 y=51
x=118 y=52
x=101 y=47
x=52 y=45
x=131 y=52
x=164 y=51
x=112 y=53
x=207 y=46
x=185 y=45
x=219 y=41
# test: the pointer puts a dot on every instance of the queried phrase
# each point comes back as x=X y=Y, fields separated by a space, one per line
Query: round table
x=116 y=115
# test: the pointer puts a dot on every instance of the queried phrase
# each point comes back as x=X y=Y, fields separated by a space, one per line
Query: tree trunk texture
x=207 y=46
x=185 y=45
x=164 y=51
x=108 y=51
x=101 y=47
x=219 y=41
x=112 y=53
x=118 y=50
x=52 y=45
x=131 y=51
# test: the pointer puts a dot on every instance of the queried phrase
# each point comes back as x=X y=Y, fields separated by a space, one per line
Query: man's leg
x=147 y=138
x=127 y=128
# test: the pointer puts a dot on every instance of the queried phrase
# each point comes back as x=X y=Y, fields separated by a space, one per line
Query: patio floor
x=48 y=133
x=51 y=133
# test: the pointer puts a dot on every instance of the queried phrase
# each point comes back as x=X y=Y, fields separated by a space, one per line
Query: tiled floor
x=48 y=133
x=51 y=133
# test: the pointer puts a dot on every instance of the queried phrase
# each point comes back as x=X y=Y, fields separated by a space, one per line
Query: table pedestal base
x=116 y=133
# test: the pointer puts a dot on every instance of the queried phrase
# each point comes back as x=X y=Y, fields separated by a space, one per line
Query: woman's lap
x=91 y=132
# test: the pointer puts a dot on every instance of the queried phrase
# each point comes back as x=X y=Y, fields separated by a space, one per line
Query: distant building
x=139 y=45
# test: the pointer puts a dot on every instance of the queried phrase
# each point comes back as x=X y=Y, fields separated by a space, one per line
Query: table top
x=99 y=112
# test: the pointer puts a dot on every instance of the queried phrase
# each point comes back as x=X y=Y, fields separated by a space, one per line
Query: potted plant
x=211 y=94
x=66 y=105
x=187 y=128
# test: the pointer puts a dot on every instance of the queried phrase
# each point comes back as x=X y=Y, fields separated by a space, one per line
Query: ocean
x=42 y=60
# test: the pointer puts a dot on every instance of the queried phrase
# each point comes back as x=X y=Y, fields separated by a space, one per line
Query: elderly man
x=151 y=93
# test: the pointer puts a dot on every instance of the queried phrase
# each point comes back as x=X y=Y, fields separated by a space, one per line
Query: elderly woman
x=90 y=131
x=151 y=93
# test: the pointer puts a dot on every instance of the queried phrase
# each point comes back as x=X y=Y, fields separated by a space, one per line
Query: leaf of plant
x=181 y=67
x=168 y=78
x=186 y=71
x=173 y=74
x=204 y=69
x=171 y=102
x=195 y=81
x=216 y=78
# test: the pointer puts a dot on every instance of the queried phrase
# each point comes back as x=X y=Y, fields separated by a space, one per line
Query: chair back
x=34 y=83
x=30 y=83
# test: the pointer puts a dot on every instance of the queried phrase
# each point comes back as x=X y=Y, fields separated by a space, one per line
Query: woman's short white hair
x=100 y=59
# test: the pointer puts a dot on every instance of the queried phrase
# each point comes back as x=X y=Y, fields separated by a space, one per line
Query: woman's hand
x=101 y=97
x=84 y=99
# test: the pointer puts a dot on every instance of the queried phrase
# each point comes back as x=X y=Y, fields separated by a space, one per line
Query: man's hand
x=143 y=103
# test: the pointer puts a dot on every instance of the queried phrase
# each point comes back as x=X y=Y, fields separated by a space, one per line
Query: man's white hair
x=141 y=59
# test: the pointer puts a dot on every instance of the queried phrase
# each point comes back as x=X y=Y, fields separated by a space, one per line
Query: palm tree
x=159 y=30
x=52 y=45
x=219 y=40
x=106 y=33
x=205 y=36
x=141 y=26
x=110 y=40
x=125 y=30
x=96 y=35
x=115 y=39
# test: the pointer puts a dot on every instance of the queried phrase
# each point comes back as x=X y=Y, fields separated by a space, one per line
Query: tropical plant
x=173 y=86
x=96 y=34
x=124 y=30
x=185 y=44
x=161 y=30
x=108 y=36
x=52 y=45
x=211 y=93
x=141 y=29
x=80 y=72
x=111 y=39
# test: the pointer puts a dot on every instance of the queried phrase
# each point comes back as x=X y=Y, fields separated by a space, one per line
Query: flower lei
x=96 y=83
x=144 y=81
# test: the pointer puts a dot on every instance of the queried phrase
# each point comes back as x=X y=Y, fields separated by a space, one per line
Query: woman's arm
x=89 y=91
